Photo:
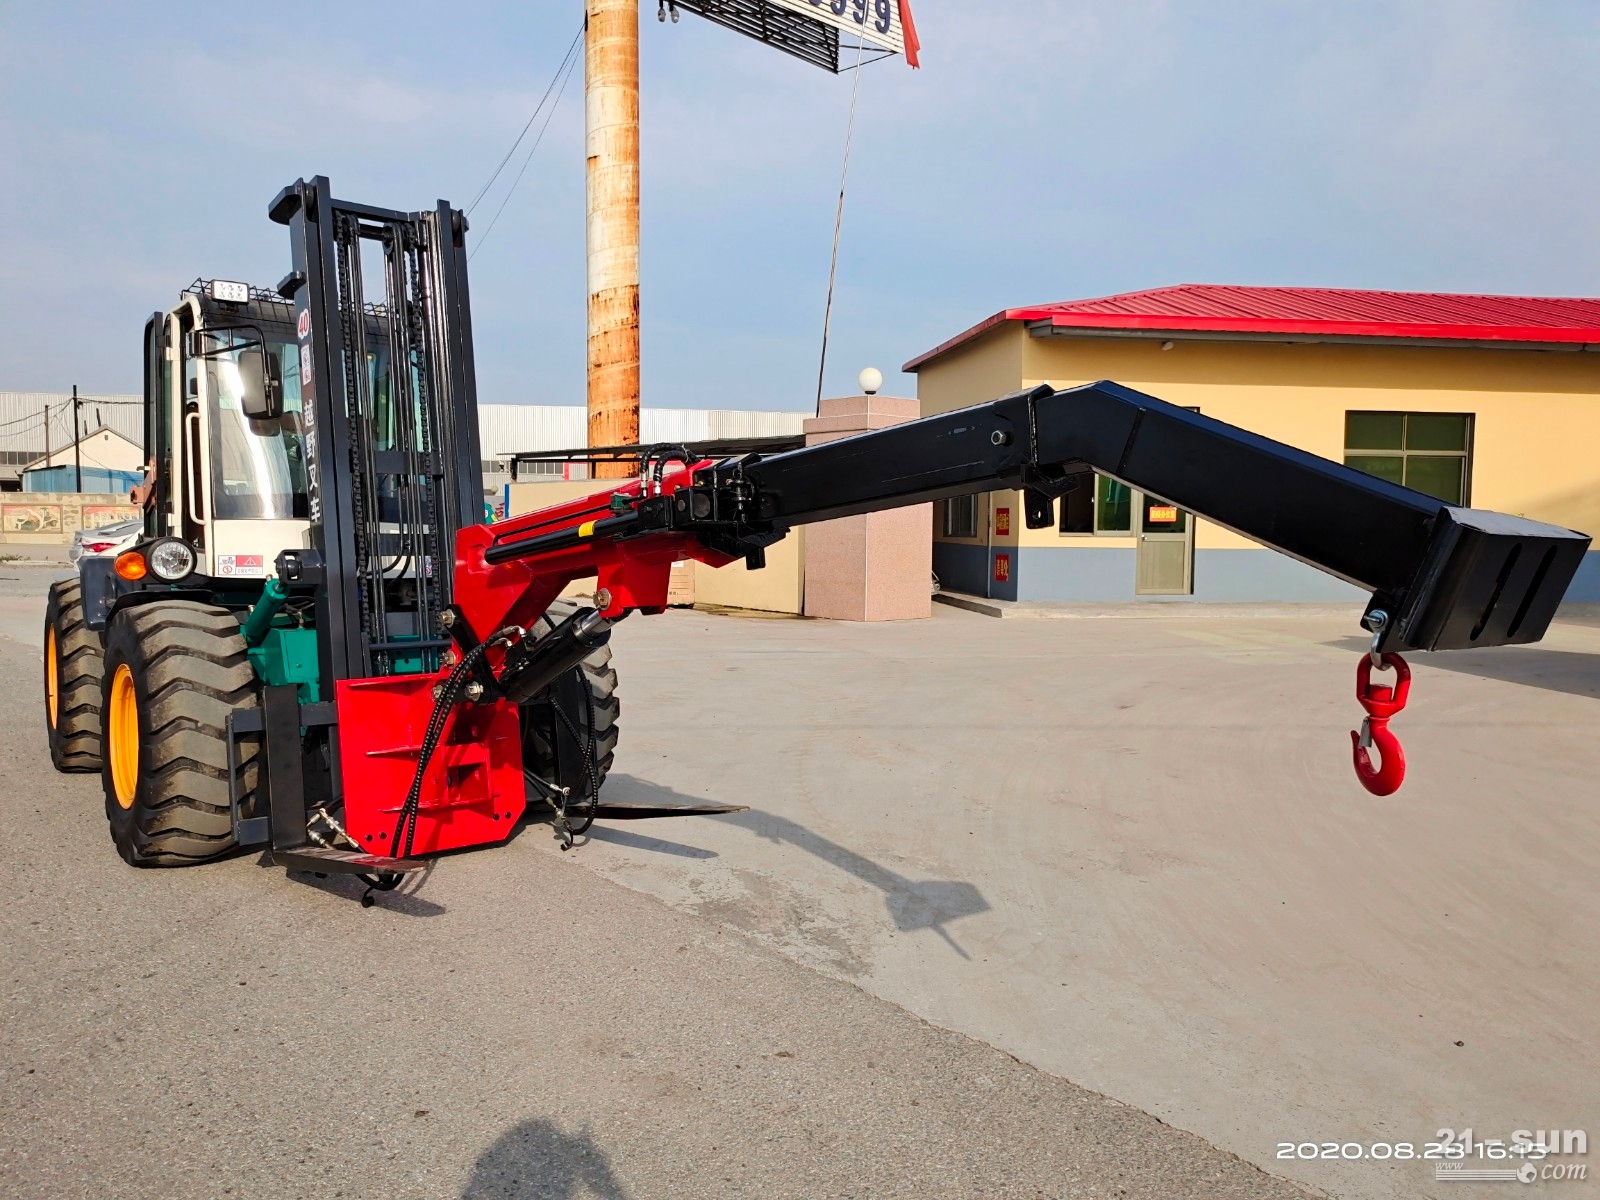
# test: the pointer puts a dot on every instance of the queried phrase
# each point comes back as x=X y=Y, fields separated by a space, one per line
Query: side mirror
x=262 y=377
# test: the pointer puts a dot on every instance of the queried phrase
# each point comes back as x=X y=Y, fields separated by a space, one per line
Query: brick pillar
x=875 y=567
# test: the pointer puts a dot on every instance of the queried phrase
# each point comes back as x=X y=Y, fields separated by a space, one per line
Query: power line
x=838 y=222
x=537 y=109
x=32 y=418
x=512 y=190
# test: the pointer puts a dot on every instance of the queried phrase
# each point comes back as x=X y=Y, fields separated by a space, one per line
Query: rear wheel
x=174 y=670
x=597 y=695
x=72 y=680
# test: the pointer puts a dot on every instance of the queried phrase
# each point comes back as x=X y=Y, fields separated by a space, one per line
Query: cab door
x=157 y=438
x=191 y=459
x=164 y=383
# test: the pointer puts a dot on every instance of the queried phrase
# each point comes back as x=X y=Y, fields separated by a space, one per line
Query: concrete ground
x=522 y=1027
x=23 y=554
x=1128 y=853
x=1132 y=852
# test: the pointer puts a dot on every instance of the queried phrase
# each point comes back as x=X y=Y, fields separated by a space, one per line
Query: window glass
x=961 y=517
x=1428 y=452
x=1441 y=477
x=1434 y=431
x=1077 y=507
x=1374 y=430
x=1387 y=467
x=1113 y=506
x=257 y=467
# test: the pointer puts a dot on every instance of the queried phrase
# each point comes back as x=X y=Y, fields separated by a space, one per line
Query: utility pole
x=611 y=134
x=77 y=440
x=47 y=463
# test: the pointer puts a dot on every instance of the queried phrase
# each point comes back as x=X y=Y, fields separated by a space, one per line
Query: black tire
x=186 y=671
x=600 y=678
x=72 y=668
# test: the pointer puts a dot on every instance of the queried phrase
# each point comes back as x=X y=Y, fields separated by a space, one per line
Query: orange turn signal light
x=130 y=565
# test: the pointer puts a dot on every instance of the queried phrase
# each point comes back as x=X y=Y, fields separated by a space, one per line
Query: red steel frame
x=473 y=791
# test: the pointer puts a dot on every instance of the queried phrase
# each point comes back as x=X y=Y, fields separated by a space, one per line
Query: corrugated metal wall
x=22 y=419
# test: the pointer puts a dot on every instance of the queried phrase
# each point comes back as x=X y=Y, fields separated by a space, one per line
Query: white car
x=107 y=540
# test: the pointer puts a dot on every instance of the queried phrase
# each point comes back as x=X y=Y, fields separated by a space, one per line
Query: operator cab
x=225 y=424
x=224 y=428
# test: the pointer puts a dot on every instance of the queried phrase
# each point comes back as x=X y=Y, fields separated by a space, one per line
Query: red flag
x=909 y=28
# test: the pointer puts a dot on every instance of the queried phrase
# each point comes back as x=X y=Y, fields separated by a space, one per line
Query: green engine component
x=279 y=654
x=289 y=656
x=408 y=664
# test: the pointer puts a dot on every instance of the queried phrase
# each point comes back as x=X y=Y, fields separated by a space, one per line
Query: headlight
x=171 y=559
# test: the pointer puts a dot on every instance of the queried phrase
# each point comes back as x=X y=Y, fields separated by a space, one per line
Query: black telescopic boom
x=1449 y=577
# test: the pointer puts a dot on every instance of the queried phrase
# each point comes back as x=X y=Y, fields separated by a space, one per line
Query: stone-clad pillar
x=875 y=567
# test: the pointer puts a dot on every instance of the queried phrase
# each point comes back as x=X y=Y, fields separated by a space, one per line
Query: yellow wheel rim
x=52 y=676
x=122 y=734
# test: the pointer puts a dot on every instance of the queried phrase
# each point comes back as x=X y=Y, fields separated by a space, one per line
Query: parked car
x=108 y=539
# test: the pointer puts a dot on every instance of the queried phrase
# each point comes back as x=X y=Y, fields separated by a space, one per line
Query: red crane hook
x=1381 y=703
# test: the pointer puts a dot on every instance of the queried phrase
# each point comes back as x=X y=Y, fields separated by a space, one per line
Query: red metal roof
x=1312 y=313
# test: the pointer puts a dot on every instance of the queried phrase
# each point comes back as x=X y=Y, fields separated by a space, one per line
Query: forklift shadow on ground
x=1574 y=672
x=621 y=837
x=913 y=904
x=534 y=1158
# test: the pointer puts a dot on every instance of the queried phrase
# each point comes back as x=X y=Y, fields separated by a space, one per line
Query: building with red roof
x=1486 y=400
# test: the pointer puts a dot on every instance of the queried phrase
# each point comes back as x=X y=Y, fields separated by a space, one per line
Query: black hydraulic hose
x=450 y=693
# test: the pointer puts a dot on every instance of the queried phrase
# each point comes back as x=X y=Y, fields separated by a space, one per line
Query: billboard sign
x=879 y=23
x=811 y=29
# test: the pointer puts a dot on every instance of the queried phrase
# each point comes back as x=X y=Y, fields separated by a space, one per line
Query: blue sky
x=1048 y=149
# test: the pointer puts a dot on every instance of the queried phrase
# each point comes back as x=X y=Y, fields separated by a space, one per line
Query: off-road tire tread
x=192 y=669
x=75 y=739
x=601 y=677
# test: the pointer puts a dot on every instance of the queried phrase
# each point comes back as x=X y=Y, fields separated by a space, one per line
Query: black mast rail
x=388 y=391
x=1446 y=577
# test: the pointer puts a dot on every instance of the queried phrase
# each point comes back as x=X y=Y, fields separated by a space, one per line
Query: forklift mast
x=391 y=423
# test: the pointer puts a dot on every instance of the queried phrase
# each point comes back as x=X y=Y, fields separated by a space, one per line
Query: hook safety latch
x=1381 y=703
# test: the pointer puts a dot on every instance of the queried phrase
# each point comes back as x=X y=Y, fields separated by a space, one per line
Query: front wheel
x=72 y=680
x=174 y=670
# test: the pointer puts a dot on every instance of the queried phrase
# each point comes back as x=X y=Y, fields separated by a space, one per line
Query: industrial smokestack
x=611 y=128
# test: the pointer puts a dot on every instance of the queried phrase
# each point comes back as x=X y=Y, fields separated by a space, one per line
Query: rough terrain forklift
x=320 y=650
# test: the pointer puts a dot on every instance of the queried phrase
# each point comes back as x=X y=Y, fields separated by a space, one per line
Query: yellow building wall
x=1536 y=439
x=530 y=497
x=986 y=368
x=780 y=586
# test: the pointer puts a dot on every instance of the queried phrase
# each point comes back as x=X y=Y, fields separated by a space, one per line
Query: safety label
x=241 y=564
